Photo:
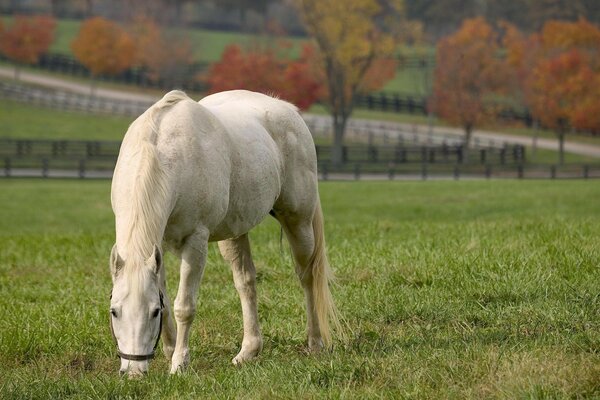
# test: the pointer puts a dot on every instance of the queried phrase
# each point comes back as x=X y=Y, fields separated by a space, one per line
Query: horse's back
x=267 y=121
x=240 y=109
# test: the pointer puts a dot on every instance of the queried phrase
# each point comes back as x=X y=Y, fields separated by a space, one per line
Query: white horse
x=191 y=173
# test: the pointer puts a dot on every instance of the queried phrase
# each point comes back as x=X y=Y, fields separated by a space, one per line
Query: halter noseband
x=140 y=357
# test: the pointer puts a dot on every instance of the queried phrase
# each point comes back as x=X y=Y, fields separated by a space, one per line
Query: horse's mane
x=149 y=194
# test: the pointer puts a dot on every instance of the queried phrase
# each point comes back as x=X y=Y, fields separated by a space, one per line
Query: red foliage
x=264 y=71
x=559 y=71
x=27 y=38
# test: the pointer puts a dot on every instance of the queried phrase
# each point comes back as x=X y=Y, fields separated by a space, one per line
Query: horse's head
x=136 y=310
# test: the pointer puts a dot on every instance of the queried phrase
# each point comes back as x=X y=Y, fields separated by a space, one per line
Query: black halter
x=140 y=357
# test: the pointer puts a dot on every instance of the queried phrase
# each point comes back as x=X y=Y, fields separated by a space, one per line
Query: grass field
x=449 y=289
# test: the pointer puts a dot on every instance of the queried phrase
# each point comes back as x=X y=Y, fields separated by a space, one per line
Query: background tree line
x=553 y=71
x=439 y=17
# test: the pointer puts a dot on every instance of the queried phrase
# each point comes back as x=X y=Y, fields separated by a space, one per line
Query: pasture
x=449 y=290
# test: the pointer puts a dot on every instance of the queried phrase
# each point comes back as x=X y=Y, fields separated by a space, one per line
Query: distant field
x=449 y=289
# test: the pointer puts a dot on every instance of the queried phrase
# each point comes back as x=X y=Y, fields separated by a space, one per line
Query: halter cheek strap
x=140 y=357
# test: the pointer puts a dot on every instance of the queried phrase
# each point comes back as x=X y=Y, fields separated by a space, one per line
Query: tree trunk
x=468 y=134
x=337 y=151
x=92 y=86
x=467 y=142
x=561 y=147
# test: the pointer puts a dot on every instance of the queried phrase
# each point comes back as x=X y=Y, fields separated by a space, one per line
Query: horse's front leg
x=193 y=258
x=169 y=333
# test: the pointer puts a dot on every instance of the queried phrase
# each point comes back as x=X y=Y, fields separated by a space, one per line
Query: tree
x=559 y=71
x=27 y=39
x=350 y=35
x=103 y=47
x=467 y=74
x=263 y=70
x=166 y=57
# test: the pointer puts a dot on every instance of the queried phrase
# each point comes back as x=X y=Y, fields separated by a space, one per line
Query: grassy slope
x=31 y=122
x=451 y=290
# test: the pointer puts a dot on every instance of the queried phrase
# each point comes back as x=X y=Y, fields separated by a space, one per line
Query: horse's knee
x=184 y=314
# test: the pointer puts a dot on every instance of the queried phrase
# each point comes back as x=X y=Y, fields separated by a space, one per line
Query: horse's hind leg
x=237 y=252
x=305 y=235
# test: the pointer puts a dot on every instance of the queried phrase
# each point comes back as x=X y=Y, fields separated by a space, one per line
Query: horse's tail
x=325 y=308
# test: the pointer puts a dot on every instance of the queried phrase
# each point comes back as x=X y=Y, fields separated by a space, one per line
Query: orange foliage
x=263 y=71
x=380 y=72
x=103 y=47
x=27 y=38
x=467 y=73
x=559 y=71
x=165 y=57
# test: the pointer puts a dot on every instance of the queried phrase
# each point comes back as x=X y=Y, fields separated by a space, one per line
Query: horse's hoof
x=315 y=345
x=179 y=364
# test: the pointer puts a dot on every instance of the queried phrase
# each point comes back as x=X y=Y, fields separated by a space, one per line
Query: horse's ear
x=116 y=262
x=156 y=260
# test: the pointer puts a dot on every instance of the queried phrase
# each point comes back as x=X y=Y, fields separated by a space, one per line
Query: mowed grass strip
x=448 y=289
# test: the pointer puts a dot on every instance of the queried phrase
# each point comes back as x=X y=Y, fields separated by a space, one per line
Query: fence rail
x=96 y=159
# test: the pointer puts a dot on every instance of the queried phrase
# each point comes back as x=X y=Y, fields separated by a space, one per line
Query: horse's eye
x=113 y=312
x=155 y=313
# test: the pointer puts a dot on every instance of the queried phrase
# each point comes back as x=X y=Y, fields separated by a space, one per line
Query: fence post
x=424 y=171
x=372 y=154
x=391 y=174
x=488 y=171
x=324 y=171
x=520 y=171
x=357 y=171
x=44 y=167
x=553 y=172
x=7 y=167
x=459 y=154
x=81 y=169
x=456 y=172
x=586 y=171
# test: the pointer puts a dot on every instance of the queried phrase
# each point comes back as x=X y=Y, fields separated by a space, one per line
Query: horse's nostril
x=122 y=372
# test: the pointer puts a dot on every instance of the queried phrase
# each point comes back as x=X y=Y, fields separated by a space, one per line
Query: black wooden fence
x=81 y=158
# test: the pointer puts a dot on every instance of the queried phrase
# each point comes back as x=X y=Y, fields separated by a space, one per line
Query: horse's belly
x=253 y=192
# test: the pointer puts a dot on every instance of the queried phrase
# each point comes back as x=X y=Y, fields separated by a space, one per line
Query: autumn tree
x=27 y=39
x=266 y=70
x=167 y=57
x=351 y=35
x=103 y=47
x=467 y=74
x=559 y=71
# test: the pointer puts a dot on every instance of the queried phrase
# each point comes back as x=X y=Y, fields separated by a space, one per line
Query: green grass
x=449 y=289
x=32 y=122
